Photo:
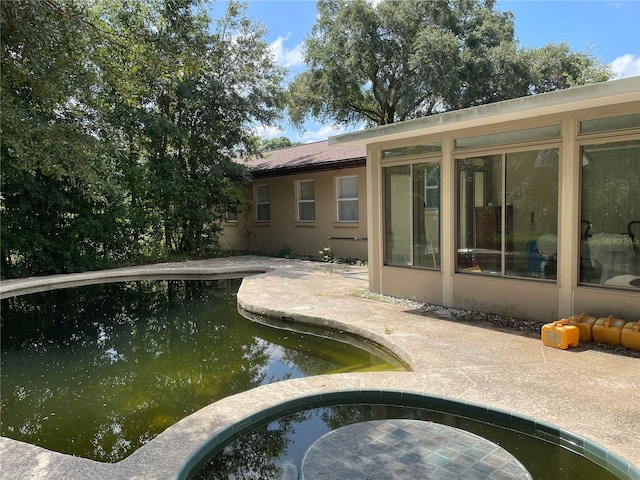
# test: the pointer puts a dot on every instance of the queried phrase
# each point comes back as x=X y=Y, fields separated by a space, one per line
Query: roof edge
x=575 y=98
x=318 y=167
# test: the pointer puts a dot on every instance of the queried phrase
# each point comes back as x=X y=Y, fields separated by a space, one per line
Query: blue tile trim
x=551 y=433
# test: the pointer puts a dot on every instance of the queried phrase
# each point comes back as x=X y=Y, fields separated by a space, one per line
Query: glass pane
x=307 y=211
x=480 y=215
x=611 y=123
x=262 y=193
x=529 y=134
x=264 y=212
x=412 y=150
x=532 y=213
x=610 y=214
x=348 y=187
x=305 y=190
x=426 y=215
x=348 y=211
x=397 y=185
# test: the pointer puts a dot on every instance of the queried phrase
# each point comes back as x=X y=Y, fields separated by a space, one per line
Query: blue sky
x=609 y=28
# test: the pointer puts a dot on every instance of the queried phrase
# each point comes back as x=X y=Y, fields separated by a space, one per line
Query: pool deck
x=591 y=393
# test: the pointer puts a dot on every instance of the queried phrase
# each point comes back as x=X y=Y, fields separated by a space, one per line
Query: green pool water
x=98 y=371
x=273 y=450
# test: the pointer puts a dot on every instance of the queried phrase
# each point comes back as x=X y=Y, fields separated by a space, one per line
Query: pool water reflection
x=273 y=450
x=98 y=371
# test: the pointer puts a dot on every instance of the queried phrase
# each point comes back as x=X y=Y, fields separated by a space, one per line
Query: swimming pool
x=98 y=371
x=273 y=442
x=471 y=365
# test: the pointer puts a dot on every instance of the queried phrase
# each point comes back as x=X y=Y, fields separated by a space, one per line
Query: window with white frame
x=347 y=193
x=412 y=214
x=231 y=215
x=306 y=201
x=263 y=205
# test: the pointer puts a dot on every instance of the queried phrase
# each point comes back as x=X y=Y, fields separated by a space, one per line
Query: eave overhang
x=609 y=93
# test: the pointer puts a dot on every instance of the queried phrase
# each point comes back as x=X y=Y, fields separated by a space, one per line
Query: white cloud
x=265 y=131
x=324 y=132
x=626 y=66
x=284 y=57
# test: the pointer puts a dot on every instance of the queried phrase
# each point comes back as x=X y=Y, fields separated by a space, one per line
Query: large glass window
x=263 y=205
x=508 y=214
x=306 y=201
x=347 y=193
x=412 y=215
x=610 y=214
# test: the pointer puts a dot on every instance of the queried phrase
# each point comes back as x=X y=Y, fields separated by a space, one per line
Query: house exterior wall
x=284 y=232
x=535 y=298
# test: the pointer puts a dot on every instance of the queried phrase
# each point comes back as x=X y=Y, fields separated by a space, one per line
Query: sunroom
x=528 y=207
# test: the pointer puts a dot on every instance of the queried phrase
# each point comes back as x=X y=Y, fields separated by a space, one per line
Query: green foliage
x=48 y=226
x=267 y=144
x=555 y=67
x=49 y=120
x=128 y=115
x=286 y=252
x=326 y=255
x=395 y=60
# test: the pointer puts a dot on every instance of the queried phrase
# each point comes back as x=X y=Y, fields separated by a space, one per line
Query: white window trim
x=258 y=219
x=299 y=201
x=338 y=199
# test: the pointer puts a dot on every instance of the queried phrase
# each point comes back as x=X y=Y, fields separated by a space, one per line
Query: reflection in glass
x=610 y=123
x=263 y=205
x=98 y=371
x=275 y=450
x=517 y=235
x=426 y=215
x=512 y=136
x=412 y=215
x=610 y=214
x=306 y=201
x=480 y=214
x=397 y=219
x=347 y=199
x=532 y=200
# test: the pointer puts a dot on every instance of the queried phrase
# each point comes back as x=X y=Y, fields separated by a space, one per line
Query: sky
x=610 y=29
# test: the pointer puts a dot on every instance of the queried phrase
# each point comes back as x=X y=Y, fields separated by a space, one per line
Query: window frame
x=412 y=162
x=503 y=151
x=347 y=199
x=600 y=138
x=300 y=201
x=258 y=203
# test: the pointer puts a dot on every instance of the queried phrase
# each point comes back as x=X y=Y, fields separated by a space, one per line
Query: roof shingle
x=310 y=156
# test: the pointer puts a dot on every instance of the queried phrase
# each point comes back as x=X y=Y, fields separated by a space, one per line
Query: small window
x=231 y=216
x=514 y=136
x=263 y=205
x=610 y=123
x=347 y=193
x=306 y=201
x=434 y=147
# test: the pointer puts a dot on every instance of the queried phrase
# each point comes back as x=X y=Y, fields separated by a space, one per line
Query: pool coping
x=322 y=294
x=536 y=428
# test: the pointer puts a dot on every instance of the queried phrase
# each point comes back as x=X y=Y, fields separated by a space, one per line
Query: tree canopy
x=120 y=124
x=267 y=144
x=394 y=60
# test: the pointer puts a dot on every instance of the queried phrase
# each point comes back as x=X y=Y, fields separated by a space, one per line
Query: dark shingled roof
x=308 y=157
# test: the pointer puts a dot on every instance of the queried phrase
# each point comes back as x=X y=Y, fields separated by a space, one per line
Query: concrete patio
x=589 y=392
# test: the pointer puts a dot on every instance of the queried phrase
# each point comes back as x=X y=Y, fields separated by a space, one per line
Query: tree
x=267 y=144
x=193 y=110
x=120 y=124
x=62 y=207
x=402 y=59
x=555 y=67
